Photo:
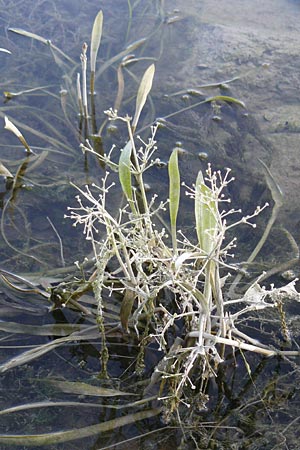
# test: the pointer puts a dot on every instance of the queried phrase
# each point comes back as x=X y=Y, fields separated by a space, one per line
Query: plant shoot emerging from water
x=170 y=285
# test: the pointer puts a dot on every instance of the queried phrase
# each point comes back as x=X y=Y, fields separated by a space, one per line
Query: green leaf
x=226 y=98
x=96 y=39
x=174 y=193
x=143 y=91
x=125 y=174
x=206 y=213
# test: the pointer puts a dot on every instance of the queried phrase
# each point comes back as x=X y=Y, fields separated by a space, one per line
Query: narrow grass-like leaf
x=174 y=194
x=41 y=350
x=96 y=39
x=40 y=39
x=143 y=91
x=41 y=330
x=125 y=173
x=33 y=440
x=29 y=35
x=205 y=215
x=226 y=98
x=130 y=48
x=275 y=189
x=80 y=388
x=9 y=95
x=80 y=405
x=58 y=144
x=48 y=404
x=278 y=198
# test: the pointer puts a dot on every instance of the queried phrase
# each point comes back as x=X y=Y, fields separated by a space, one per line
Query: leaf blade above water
x=125 y=174
x=96 y=39
x=143 y=92
x=205 y=215
x=174 y=194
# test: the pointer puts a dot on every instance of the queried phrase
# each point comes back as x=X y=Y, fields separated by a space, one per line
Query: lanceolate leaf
x=174 y=193
x=205 y=215
x=142 y=94
x=125 y=173
x=96 y=39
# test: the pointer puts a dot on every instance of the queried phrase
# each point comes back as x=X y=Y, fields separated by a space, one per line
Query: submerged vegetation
x=167 y=297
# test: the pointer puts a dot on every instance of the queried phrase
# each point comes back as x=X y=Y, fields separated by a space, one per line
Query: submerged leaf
x=120 y=92
x=9 y=95
x=126 y=308
x=80 y=388
x=226 y=98
x=96 y=39
x=174 y=193
x=76 y=433
x=27 y=356
x=30 y=35
x=64 y=329
x=48 y=404
x=143 y=91
x=130 y=48
x=276 y=192
x=40 y=39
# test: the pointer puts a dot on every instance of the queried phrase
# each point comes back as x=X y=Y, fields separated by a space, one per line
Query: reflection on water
x=233 y=47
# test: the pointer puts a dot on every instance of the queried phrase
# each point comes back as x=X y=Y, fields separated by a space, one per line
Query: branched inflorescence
x=172 y=294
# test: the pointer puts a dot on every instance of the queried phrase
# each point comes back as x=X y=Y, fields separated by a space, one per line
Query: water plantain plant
x=171 y=286
x=171 y=282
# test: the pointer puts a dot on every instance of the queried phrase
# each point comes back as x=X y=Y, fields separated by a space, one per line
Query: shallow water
x=248 y=48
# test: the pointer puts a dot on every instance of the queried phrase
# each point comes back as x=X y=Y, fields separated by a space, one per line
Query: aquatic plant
x=171 y=287
x=147 y=265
